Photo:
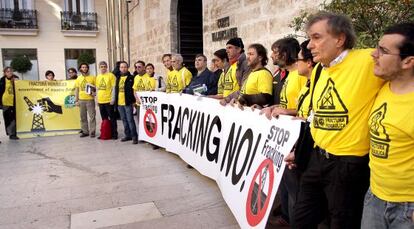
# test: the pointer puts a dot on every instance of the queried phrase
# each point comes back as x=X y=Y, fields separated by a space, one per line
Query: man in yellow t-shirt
x=125 y=100
x=337 y=173
x=85 y=90
x=166 y=60
x=7 y=102
x=257 y=88
x=181 y=76
x=390 y=201
x=105 y=87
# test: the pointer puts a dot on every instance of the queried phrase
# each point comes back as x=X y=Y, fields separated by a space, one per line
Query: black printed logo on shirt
x=379 y=137
x=228 y=81
x=102 y=85
x=331 y=113
x=10 y=91
x=283 y=95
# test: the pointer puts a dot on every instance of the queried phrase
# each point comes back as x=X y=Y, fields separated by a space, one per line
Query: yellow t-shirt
x=139 y=83
x=291 y=88
x=170 y=75
x=304 y=96
x=149 y=82
x=81 y=82
x=8 y=95
x=121 y=91
x=259 y=81
x=105 y=83
x=179 y=80
x=343 y=97
x=391 y=126
x=228 y=81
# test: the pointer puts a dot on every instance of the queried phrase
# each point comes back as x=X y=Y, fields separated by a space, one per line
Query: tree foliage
x=86 y=57
x=21 y=64
x=369 y=17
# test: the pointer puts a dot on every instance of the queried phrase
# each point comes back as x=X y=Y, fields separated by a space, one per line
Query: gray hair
x=337 y=24
x=178 y=57
x=103 y=63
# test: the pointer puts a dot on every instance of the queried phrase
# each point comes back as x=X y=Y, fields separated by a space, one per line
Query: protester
x=257 y=88
x=221 y=62
x=8 y=101
x=159 y=80
x=166 y=60
x=389 y=203
x=291 y=178
x=337 y=173
x=50 y=75
x=105 y=87
x=180 y=77
x=72 y=74
x=238 y=71
x=126 y=99
x=204 y=82
x=85 y=90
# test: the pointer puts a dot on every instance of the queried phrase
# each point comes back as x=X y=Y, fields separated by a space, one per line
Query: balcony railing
x=18 y=19
x=79 y=21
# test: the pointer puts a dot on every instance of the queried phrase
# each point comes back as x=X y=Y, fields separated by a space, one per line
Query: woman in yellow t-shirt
x=7 y=102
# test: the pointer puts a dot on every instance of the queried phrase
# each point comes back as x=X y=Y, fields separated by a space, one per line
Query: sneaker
x=84 y=135
x=126 y=139
x=14 y=137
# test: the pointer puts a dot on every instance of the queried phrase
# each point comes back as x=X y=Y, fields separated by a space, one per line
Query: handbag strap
x=317 y=74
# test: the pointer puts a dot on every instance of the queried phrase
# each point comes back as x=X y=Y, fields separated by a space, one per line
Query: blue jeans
x=380 y=214
x=127 y=116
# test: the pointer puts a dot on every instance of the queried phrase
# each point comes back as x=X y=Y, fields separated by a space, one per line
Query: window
x=72 y=55
x=79 y=6
x=9 y=54
x=16 y=4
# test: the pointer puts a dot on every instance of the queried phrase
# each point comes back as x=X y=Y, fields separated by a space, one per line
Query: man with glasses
x=105 y=87
x=72 y=74
x=337 y=176
x=389 y=203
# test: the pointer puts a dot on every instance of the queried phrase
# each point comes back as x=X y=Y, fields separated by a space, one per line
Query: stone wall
x=153 y=24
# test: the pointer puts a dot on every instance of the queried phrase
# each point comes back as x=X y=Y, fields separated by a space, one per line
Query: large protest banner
x=46 y=108
x=241 y=150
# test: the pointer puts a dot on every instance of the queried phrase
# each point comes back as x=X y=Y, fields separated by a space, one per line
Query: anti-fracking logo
x=42 y=105
x=283 y=95
x=150 y=123
x=331 y=112
x=259 y=194
x=379 y=137
x=228 y=80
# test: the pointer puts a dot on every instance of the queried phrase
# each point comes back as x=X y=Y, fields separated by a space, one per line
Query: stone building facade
x=155 y=25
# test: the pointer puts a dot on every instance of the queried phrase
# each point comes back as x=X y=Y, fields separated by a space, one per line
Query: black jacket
x=3 y=89
x=207 y=78
x=128 y=90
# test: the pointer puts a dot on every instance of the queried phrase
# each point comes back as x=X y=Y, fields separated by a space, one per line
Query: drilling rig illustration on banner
x=42 y=105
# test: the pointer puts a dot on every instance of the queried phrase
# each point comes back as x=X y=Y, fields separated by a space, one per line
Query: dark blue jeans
x=127 y=116
x=380 y=214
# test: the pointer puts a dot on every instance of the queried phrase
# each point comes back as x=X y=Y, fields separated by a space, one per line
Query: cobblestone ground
x=46 y=182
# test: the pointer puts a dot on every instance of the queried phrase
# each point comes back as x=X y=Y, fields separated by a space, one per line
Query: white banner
x=241 y=150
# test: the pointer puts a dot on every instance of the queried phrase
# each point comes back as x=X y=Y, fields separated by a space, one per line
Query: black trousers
x=332 y=185
x=9 y=115
x=107 y=112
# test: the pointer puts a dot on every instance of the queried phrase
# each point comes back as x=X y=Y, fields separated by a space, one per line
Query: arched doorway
x=189 y=30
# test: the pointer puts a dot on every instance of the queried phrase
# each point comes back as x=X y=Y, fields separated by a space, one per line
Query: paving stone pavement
x=45 y=181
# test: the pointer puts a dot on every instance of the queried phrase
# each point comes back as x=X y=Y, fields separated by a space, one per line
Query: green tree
x=86 y=57
x=369 y=17
x=21 y=64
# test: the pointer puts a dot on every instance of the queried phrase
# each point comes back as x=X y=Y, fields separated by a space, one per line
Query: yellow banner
x=46 y=108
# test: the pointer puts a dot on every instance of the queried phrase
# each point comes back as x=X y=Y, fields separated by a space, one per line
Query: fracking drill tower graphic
x=42 y=105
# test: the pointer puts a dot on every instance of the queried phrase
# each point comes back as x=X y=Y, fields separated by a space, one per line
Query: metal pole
x=121 y=31
x=109 y=35
x=127 y=28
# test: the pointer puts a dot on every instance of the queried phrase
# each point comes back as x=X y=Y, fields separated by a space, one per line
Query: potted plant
x=21 y=64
